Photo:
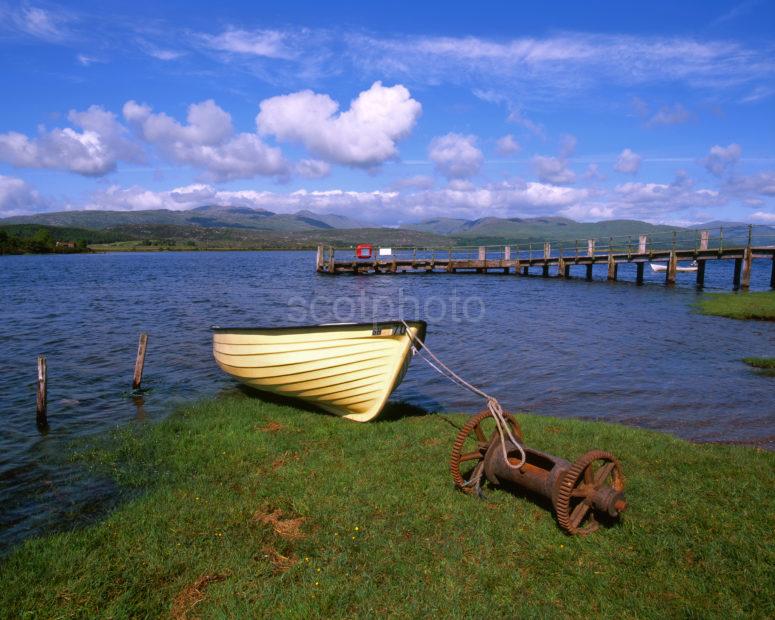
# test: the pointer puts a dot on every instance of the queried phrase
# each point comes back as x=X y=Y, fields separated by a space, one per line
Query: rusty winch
x=584 y=494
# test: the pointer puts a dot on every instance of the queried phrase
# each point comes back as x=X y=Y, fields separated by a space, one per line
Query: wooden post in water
x=507 y=252
x=561 y=267
x=736 y=275
x=672 y=265
x=319 y=259
x=642 y=241
x=611 y=267
x=525 y=271
x=639 y=274
x=567 y=270
x=137 y=379
x=700 y=273
x=747 y=260
x=42 y=400
x=589 y=272
x=590 y=247
x=772 y=273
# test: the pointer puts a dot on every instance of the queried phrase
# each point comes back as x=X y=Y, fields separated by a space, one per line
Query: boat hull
x=347 y=369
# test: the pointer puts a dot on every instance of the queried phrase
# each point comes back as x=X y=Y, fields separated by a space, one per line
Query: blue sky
x=597 y=110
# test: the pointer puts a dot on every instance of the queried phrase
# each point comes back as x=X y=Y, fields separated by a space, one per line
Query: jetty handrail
x=720 y=238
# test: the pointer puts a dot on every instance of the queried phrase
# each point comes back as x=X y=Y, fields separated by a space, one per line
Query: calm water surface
x=617 y=352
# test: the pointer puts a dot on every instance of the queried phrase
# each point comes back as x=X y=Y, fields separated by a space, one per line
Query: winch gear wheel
x=476 y=426
x=581 y=481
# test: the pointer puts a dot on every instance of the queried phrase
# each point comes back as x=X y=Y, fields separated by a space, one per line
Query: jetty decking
x=743 y=246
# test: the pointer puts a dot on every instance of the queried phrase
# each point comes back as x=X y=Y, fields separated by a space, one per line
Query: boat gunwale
x=422 y=328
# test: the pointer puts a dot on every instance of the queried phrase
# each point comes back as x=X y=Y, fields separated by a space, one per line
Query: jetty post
x=639 y=273
x=137 y=378
x=642 y=241
x=612 y=267
x=772 y=273
x=736 y=274
x=319 y=259
x=672 y=267
x=704 y=238
x=41 y=414
x=547 y=255
x=746 y=277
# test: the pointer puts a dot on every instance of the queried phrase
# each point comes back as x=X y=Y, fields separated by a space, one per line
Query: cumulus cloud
x=628 y=162
x=207 y=141
x=720 y=159
x=553 y=170
x=418 y=181
x=764 y=217
x=456 y=156
x=670 y=115
x=593 y=173
x=18 y=197
x=94 y=151
x=507 y=145
x=461 y=199
x=365 y=135
x=313 y=168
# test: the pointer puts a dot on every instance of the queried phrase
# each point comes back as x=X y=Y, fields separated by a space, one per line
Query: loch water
x=636 y=355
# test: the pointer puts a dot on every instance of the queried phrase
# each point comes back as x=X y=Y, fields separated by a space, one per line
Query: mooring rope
x=496 y=411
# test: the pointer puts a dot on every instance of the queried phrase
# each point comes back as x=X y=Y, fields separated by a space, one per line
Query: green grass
x=759 y=305
x=764 y=365
x=383 y=532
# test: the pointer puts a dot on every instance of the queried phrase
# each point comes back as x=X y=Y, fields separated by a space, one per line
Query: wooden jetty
x=741 y=246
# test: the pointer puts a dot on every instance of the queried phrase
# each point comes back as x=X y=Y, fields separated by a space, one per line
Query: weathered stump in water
x=137 y=379
x=41 y=408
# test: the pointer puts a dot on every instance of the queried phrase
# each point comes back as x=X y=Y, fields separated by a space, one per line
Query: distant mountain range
x=206 y=216
x=243 y=227
x=537 y=228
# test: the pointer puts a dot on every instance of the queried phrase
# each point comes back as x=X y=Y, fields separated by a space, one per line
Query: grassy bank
x=759 y=305
x=764 y=365
x=258 y=509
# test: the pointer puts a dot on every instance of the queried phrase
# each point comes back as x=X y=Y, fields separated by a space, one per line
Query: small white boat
x=660 y=267
x=349 y=369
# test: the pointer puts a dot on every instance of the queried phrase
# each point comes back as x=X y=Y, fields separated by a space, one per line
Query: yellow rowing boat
x=349 y=369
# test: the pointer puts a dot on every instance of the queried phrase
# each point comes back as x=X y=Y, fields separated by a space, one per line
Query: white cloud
x=764 y=217
x=47 y=24
x=313 y=168
x=163 y=54
x=94 y=151
x=670 y=115
x=364 y=135
x=86 y=60
x=553 y=170
x=456 y=156
x=17 y=197
x=264 y=43
x=207 y=141
x=569 y=63
x=593 y=173
x=628 y=162
x=760 y=183
x=418 y=181
x=720 y=159
x=507 y=145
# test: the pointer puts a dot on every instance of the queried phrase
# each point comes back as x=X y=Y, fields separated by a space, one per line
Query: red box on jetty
x=363 y=250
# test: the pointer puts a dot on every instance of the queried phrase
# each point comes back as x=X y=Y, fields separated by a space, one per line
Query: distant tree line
x=39 y=240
